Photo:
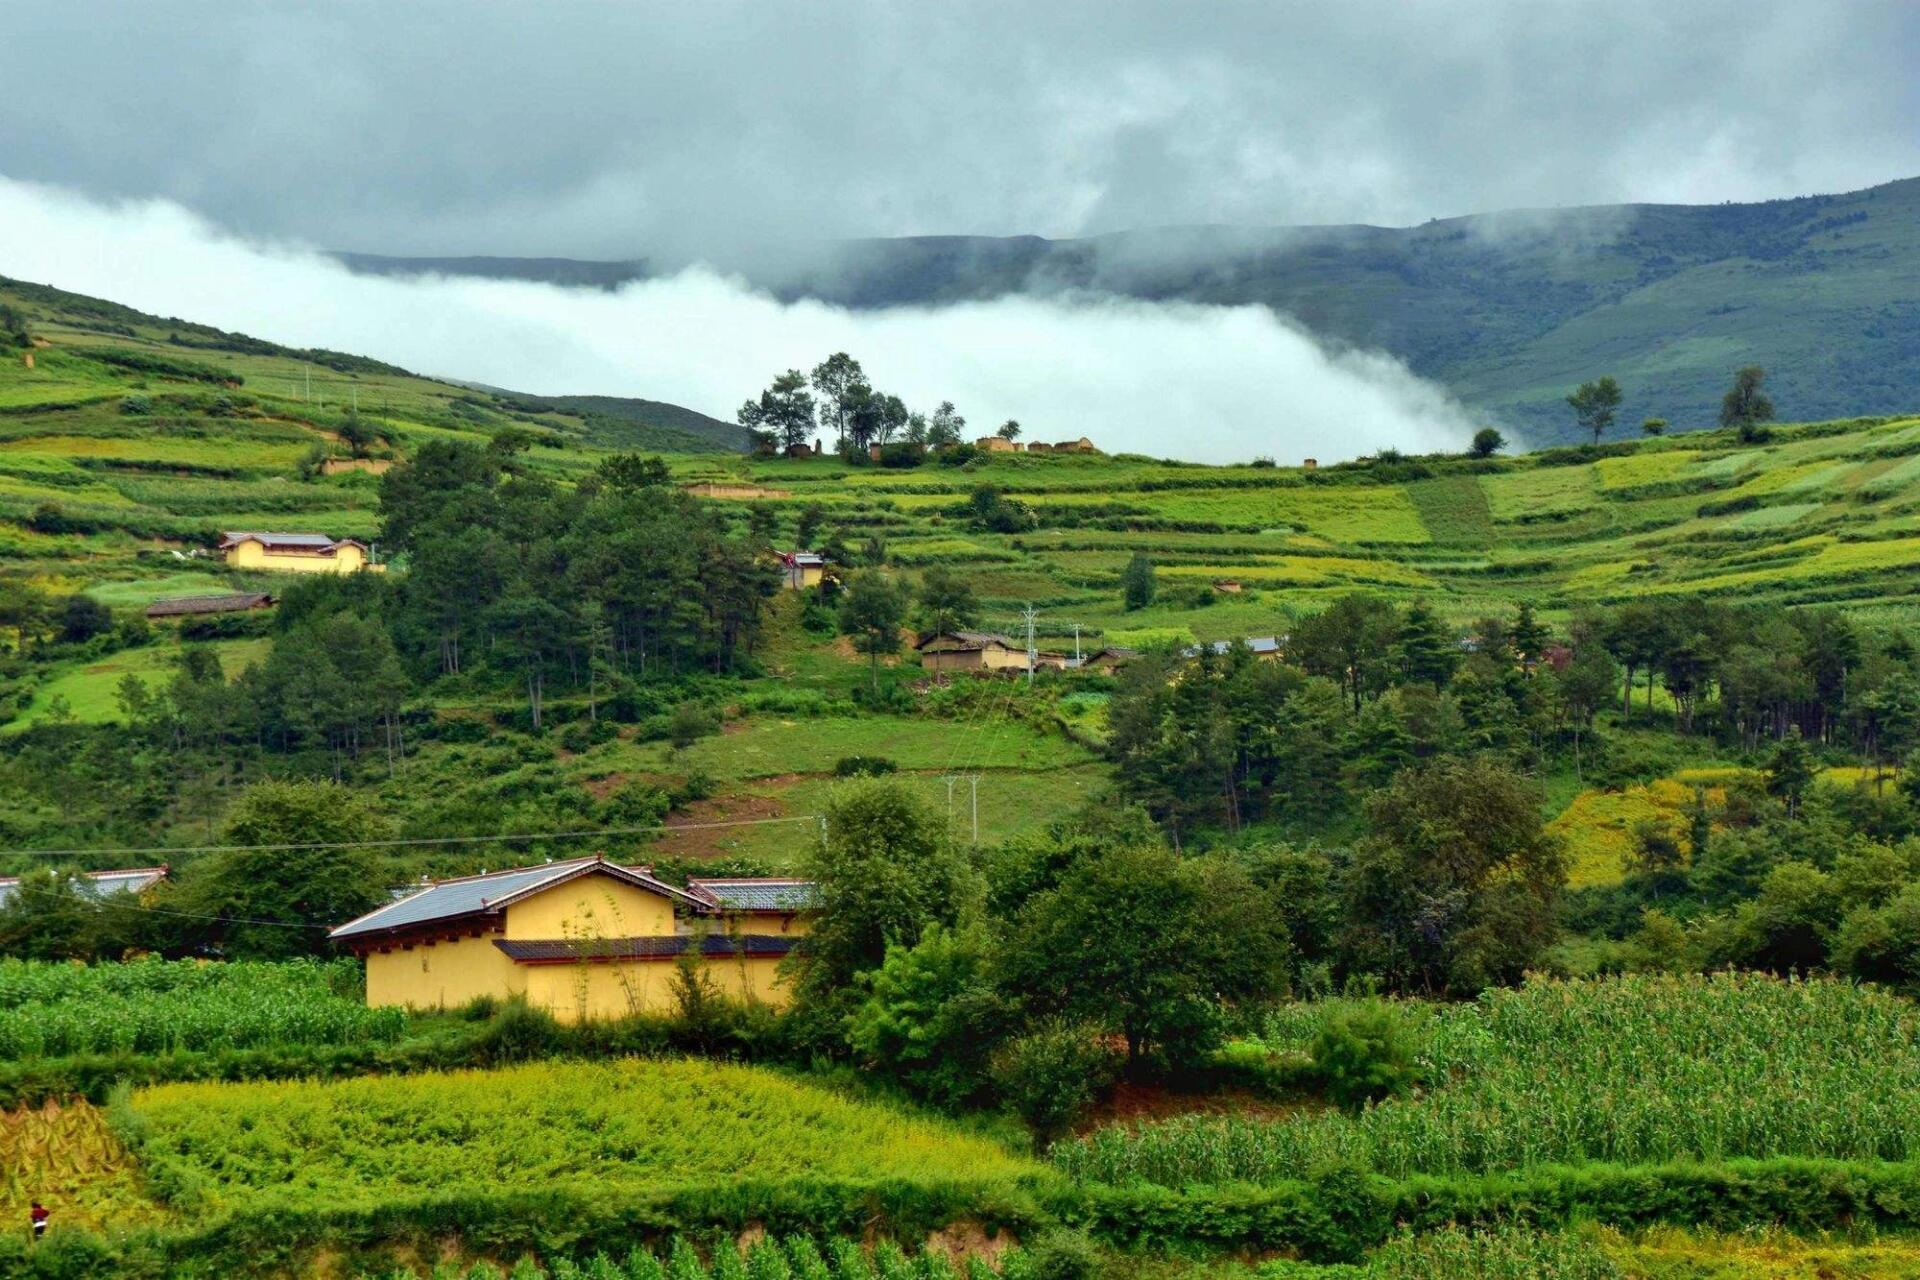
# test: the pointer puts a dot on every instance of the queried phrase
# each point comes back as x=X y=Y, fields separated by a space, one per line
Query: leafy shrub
x=689 y=722
x=1364 y=1054
x=136 y=406
x=1051 y=1076
x=863 y=766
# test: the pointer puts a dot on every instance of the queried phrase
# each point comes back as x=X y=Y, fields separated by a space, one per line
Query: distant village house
x=99 y=884
x=970 y=651
x=582 y=939
x=803 y=569
x=296 y=553
x=996 y=444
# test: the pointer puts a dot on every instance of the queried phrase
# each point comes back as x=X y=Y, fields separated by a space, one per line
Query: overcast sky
x=603 y=130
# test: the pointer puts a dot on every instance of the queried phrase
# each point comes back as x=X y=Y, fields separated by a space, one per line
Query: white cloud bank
x=1179 y=380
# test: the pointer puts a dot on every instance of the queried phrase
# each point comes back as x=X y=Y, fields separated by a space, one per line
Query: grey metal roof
x=645 y=948
x=472 y=895
x=100 y=883
x=279 y=539
x=1259 y=644
x=757 y=894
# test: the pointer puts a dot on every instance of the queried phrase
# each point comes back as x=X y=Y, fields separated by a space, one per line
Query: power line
x=398 y=843
x=106 y=902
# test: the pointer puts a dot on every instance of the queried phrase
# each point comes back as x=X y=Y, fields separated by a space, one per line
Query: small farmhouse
x=1108 y=660
x=1265 y=648
x=200 y=606
x=803 y=569
x=99 y=884
x=970 y=651
x=997 y=444
x=296 y=553
x=582 y=939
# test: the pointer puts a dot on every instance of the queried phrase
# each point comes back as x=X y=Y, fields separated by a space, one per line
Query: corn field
x=791 y=1258
x=1634 y=1070
x=149 y=1006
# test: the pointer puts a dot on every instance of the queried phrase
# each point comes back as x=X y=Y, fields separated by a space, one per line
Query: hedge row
x=1334 y=1216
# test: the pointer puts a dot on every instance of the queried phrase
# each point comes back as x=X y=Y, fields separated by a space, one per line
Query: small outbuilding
x=201 y=606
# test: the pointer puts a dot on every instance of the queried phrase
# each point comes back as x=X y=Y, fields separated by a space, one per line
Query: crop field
x=788 y=1258
x=628 y=1124
x=154 y=1006
x=1638 y=1070
x=67 y=1157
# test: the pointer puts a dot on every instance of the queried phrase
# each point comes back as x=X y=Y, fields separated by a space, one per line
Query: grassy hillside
x=1509 y=310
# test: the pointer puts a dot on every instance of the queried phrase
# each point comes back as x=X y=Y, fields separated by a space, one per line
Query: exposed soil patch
x=713 y=842
x=1132 y=1104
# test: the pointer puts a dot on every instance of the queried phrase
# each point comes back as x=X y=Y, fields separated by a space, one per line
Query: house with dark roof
x=200 y=606
x=585 y=938
x=970 y=651
x=295 y=552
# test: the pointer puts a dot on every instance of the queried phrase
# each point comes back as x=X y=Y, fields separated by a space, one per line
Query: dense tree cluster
x=582 y=588
x=838 y=395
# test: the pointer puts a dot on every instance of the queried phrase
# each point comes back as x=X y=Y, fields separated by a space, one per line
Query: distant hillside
x=616 y=422
x=1509 y=310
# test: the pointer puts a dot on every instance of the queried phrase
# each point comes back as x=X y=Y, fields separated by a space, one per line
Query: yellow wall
x=618 y=988
x=251 y=555
x=589 y=907
x=442 y=975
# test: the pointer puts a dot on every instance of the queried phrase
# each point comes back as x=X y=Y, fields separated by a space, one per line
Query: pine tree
x=1136 y=582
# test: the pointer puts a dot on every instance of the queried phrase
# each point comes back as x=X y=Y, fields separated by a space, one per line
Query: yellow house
x=802 y=569
x=296 y=553
x=970 y=651
x=582 y=939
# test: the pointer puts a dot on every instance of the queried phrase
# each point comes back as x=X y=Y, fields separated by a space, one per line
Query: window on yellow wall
x=424 y=966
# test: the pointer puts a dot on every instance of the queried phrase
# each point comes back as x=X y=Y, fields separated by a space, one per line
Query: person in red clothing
x=39 y=1215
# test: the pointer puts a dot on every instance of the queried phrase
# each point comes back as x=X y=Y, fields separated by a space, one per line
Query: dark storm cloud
x=604 y=130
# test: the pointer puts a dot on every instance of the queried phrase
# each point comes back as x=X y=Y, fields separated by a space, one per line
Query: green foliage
x=885 y=873
x=931 y=1015
x=1052 y=1074
x=1137 y=583
x=262 y=898
x=1487 y=441
x=1594 y=405
x=1365 y=1054
x=1147 y=945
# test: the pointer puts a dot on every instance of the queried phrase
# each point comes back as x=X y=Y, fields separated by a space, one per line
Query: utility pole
x=975 y=780
x=308 y=372
x=1076 y=644
x=1033 y=654
x=950 y=780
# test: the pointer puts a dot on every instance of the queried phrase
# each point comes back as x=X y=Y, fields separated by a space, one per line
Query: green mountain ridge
x=1508 y=310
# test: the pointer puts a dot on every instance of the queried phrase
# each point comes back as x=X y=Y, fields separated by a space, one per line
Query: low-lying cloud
x=1208 y=383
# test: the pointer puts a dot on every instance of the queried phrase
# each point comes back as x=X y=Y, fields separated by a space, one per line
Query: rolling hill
x=1508 y=310
x=130 y=441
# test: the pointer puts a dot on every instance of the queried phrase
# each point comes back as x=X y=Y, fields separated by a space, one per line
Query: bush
x=1051 y=1076
x=1061 y=1254
x=136 y=406
x=1364 y=1054
x=863 y=766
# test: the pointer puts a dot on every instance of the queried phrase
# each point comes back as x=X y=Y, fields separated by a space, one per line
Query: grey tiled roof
x=473 y=895
x=969 y=639
x=100 y=883
x=757 y=894
x=1259 y=644
x=209 y=604
x=279 y=539
x=645 y=948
